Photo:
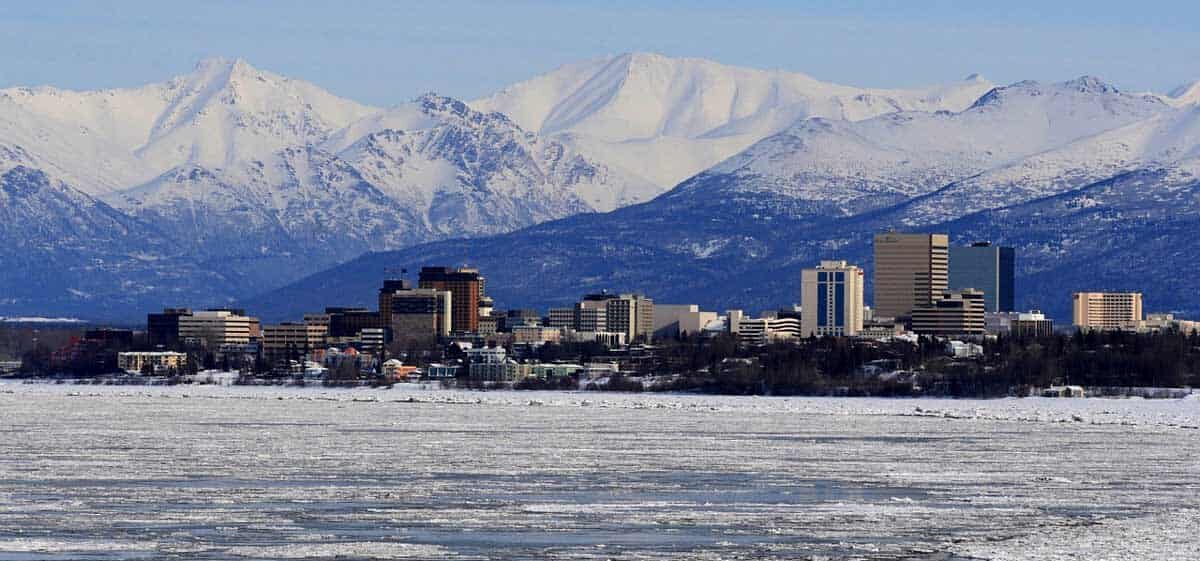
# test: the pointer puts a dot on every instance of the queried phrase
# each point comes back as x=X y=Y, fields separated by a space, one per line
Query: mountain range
x=686 y=179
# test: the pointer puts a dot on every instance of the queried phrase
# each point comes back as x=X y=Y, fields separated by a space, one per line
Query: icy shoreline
x=1172 y=413
x=235 y=473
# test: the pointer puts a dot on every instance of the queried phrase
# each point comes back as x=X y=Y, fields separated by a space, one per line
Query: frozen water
x=105 y=473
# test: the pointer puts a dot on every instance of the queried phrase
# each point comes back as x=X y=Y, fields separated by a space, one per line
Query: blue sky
x=386 y=52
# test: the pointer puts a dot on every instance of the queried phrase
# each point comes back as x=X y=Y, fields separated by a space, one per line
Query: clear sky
x=385 y=52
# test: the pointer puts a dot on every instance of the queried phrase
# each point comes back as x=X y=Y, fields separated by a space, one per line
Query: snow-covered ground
x=204 y=472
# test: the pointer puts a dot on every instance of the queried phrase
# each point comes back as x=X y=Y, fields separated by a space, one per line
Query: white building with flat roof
x=671 y=320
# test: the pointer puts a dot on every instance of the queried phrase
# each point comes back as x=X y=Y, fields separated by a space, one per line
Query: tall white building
x=831 y=300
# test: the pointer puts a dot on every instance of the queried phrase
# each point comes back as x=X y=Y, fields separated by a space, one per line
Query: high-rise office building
x=831 y=300
x=419 y=312
x=390 y=286
x=988 y=268
x=910 y=271
x=466 y=289
x=1107 y=310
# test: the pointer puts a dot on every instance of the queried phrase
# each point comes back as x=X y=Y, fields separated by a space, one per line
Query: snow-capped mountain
x=940 y=161
x=422 y=171
x=1077 y=175
x=231 y=181
x=223 y=112
x=59 y=245
x=264 y=179
x=667 y=119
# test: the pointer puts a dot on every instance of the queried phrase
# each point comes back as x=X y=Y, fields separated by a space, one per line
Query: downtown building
x=987 y=268
x=631 y=315
x=1019 y=324
x=957 y=312
x=773 y=327
x=466 y=288
x=218 y=329
x=1107 y=311
x=415 y=312
x=162 y=329
x=346 y=324
x=674 y=320
x=292 y=341
x=831 y=300
x=911 y=270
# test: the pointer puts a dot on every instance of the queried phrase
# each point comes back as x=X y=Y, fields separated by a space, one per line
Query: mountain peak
x=432 y=103
x=1091 y=84
x=975 y=77
x=223 y=65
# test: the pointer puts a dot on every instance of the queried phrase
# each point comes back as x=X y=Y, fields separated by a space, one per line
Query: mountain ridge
x=230 y=181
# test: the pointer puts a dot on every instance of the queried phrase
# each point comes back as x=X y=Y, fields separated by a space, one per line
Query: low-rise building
x=607 y=338
x=1159 y=322
x=214 y=328
x=158 y=362
x=963 y=349
x=1018 y=324
x=956 y=312
x=535 y=334
x=395 y=370
x=673 y=320
x=292 y=340
x=1032 y=324
x=880 y=329
x=442 y=371
x=761 y=331
x=1063 y=391
x=554 y=370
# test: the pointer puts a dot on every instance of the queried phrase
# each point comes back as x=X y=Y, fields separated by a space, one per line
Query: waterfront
x=265 y=473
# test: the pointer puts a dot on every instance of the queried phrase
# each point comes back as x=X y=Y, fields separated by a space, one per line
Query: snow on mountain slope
x=667 y=119
x=450 y=172
x=846 y=168
x=1160 y=140
x=61 y=247
x=477 y=153
x=1187 y=94
x=224 y=112
x=300 y=204
x=263 y=178
x=72 y=154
